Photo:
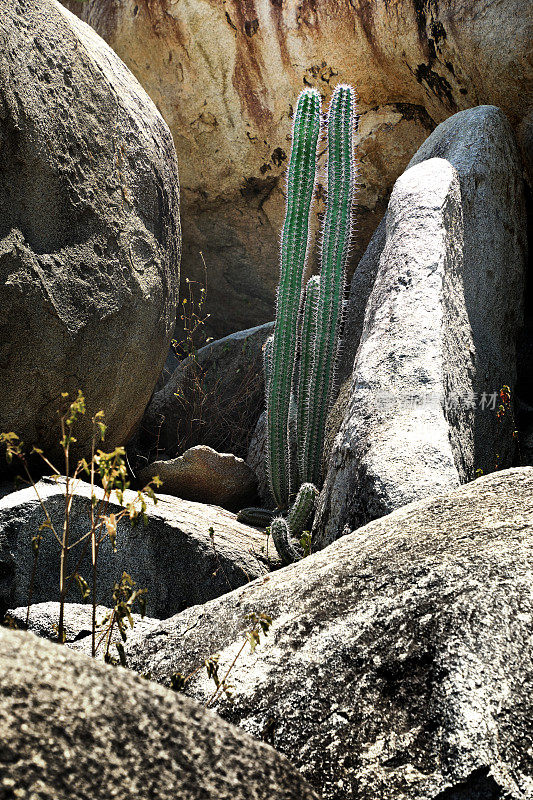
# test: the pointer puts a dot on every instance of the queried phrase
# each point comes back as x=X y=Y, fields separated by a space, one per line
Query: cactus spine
x=267 y=361
x=294 y=243
x=335 y=243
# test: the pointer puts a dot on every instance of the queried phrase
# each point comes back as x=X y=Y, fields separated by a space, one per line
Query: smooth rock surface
x=400 y=439
x=378 y=460
x=399 y=661
x=220 y=397
x=205 y=476
x=414 y=63
x=71 y=727
x=89 y=229
x=174 y=556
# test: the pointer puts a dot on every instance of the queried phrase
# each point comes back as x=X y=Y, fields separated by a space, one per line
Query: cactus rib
x=308 y=336
x=267 y=362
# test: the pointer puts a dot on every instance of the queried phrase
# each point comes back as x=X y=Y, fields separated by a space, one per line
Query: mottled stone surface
x=399 y=661
x=89 y=229
x=400 y=440
x=226 y=76
x=44 y=617
x=213 y=398
x=71 y=727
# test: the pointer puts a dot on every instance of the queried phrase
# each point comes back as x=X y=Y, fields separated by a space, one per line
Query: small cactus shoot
x=281 y=537
x=303 y=509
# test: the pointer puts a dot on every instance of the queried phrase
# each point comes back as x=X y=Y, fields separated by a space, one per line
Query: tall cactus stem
x=336 y=236
x=294 y=245
x=307 y=344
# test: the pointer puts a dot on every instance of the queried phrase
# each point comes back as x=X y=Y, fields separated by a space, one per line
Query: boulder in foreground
x=399 y=661
x=71 y=727
x=175 y=556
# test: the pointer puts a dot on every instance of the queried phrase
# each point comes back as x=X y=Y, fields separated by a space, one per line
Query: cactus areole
x=317 y=343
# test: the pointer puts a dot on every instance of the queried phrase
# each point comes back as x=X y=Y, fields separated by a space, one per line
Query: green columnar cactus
x=294 y=243
x=299 y=394
x=335 y=243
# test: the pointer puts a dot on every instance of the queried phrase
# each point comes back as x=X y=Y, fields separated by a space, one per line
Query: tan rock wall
x=226 y=74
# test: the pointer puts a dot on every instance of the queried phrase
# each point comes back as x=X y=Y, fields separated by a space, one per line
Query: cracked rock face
x=89 y=228
x=71 y=727
x=226 y=77
x=399 y=661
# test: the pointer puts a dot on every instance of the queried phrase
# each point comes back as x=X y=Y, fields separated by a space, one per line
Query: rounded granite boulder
x=89 y=228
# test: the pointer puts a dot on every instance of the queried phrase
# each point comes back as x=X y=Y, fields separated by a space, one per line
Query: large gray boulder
x=434 y=312
x=174 y=556
x=399 y=661
x=402 y=438
x=89 y=228
x=213 y=398
x=71 y=727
